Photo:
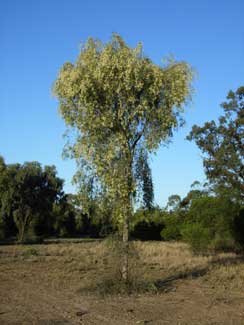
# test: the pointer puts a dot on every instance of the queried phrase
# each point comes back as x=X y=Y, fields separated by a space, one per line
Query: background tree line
x=33 y=204
x=212 y=216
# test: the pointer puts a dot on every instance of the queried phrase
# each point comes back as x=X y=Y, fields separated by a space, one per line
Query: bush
x=201 y=239
x=215 y=223
x=144 y=230
x=238 y=228
x=223 y=243
x=197 y=236
x=173 y=223
x=147 y=224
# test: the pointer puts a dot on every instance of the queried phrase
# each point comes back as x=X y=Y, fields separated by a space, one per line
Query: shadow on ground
x=167 y=283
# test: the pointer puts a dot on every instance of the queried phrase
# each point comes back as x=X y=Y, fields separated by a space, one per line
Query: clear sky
x=37 y=37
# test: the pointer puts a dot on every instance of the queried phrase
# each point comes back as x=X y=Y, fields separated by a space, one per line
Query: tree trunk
x=22 y=228
x=125 y=230
x=21 y=218
x=127 y=209
x=21 y=233
x=125 y=257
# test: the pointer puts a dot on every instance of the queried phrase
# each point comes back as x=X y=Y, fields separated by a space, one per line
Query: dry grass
x=68 y=262
x=43 y=272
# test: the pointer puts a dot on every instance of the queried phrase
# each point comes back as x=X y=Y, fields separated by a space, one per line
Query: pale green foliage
x=119 y=101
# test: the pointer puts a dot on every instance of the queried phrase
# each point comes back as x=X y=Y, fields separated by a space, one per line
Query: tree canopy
x=119 y=103
x=27 y=193
x=222 y=144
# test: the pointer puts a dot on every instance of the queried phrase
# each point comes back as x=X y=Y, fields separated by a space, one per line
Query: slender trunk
x=21 y=233
x=22 y=218
x=125 y=257
x=22 y=229
x=125 y=230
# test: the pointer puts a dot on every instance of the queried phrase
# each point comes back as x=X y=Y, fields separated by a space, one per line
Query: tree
x=222 y=144
x=174 y=202
x=64 y=213
x=147 y=224
x=144 y=180
x=27 y=194
x=7 y=191
x=173 y=218
x=118 y=102
x=2 y=219
x=209 y=223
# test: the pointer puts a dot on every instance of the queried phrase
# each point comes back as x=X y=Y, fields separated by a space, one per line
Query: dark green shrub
x=172 y=229
x=214 y=223
x=147 y=224
x=144 y=230
x=197 y=236
x=238 y=228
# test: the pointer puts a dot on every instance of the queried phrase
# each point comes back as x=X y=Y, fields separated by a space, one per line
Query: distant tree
x=147 y=224
x=210 y=223
x=27 y=193
x=119 y=101
x=7 y=191
x=197 y=190
x=178 y=210
x=174 y=202
x=64 y=216
x=2 y=165
x=143 y=177
x=222 y=144
x=2 y=214
x=208 y=218
x=172 y=218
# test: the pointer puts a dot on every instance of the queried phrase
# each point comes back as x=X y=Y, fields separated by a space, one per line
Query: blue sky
x=37 y=37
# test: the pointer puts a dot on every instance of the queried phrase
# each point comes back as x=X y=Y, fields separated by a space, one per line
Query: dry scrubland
x=56 y=284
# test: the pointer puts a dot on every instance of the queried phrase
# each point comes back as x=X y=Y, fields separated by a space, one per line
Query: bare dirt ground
x=49 y=284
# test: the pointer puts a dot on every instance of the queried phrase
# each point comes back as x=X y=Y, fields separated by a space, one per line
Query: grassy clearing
x=158 y=263
x=61 y=276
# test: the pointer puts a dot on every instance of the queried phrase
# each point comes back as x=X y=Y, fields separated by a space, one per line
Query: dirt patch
x=45 y=286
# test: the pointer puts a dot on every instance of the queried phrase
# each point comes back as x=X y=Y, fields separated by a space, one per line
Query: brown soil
x=45 y=285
